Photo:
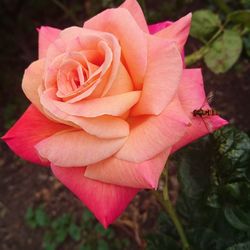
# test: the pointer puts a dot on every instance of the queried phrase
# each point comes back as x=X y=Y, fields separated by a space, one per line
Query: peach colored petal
x=106 y=201
x=65 y=84
x=30 y=129
x=32 y=80
x=150 y=135
x=178 y=31
x=85 y=40
x=120 y=23
x=122 y=82
x=135 y=10
x=198 y=129
x=138 y=175
x=110 y=105
x=77 y=148
x=103 y=126
x=47 y=35
x=162 y=77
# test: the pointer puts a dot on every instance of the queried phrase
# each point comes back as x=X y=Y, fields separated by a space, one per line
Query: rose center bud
x=78 y=77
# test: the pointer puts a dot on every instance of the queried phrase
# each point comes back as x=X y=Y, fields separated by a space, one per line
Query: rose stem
x=163 y=198
x=200 y=53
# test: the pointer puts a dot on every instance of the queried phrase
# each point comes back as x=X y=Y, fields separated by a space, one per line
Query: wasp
x=203 y=113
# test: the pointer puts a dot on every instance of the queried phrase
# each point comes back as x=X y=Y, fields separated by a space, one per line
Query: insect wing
x=208 y=99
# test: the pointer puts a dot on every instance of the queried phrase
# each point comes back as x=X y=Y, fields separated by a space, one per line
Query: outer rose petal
x=151 y=135
x=135 y=10
x=191 y=90
x=121 y=23
x=198 y=129
x=77 y=148
x=154 y=28
x=47 y=35
x=192 y=96
x=32 y=80
x=162 y=77
x=178 y=31
x=124 y=173
x=106 y=201
x=30 y=129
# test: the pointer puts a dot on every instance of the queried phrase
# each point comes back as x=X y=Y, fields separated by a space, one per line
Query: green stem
x=196 y=56
x=199 y=54
x=167 y=205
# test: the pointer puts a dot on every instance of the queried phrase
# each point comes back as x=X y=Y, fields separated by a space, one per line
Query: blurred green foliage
x=87 y=233
x=223 y=34
x=214 y=199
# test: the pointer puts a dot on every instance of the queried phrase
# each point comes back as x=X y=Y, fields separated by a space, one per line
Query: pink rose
x=110 y=102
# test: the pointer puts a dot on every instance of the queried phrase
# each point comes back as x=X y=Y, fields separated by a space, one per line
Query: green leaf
x=232 y=154
x=41 y=217
x=86 y=247
x=102 y=245
x=48 y=241
x=30 y=218
x=240 y=16
x=110 y=234
x=237 y=218
x=240 y=246
x=61 y=235
x=204 y=24
x=61 y=222
x=100 y=229
x=205 y=239
x=224 y=52
x=74 y=232
x=87 y=215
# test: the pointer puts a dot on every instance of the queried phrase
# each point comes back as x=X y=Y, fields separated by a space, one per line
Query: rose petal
x=200 y=127
x=86 y=40
x=32 y=80
x=191 y=90
x=151 y=135
x=106 y=201
x=122 y=82
x=77 y=148
x=47 y=35
x=178 y=31
x=103 y=126
x=154 y=28
x=192 y=96
x=30 y=129
x=124 y=173
x=110 y=105
x=135 y=10
x=120 y=23
x=162 y=77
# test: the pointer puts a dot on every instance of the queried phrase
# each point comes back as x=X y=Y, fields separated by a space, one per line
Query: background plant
x=66 y=227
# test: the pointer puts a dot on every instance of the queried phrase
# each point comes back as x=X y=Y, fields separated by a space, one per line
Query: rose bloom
x=110 y=101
